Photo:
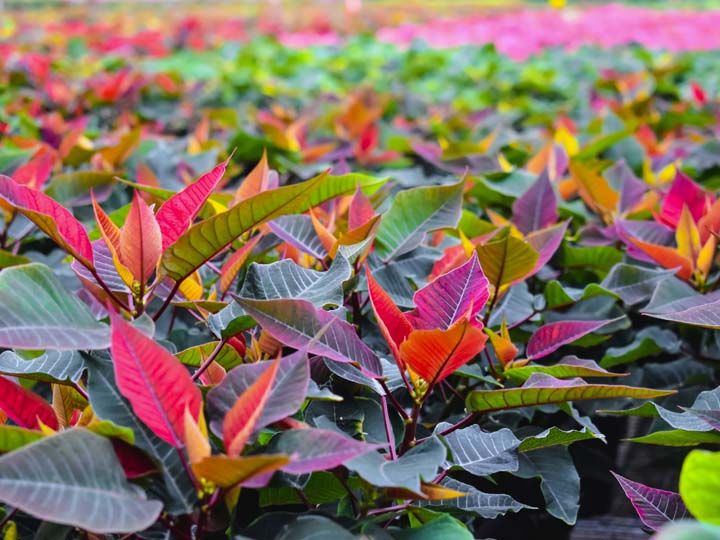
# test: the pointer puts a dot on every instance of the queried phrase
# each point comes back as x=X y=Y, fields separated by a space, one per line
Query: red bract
x=154 y=381
x=443 y=332
x=683 y=192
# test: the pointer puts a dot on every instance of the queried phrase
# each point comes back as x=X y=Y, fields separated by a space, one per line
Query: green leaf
x=442 y=527
x=542 y=389
x=414 y=213
x=599 y=259
x=554 y=437
x=209 y=237
x=679 y=437
x=13 y=437
x=700 y=485
x=8 y=259
x=649 y=341
x=314 y=528
x=36 y=312
x=570 y=366
x=559 y=480
x=74 y=478
x=228 y=357
x=507 y=259
x=688 y=530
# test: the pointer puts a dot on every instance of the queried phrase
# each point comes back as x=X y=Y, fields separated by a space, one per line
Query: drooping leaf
x=241 y=419
x=286 y=397
x=24 y=407
x=317 y=449
x=537 y=208
x=421 y=462
x=482 y=453
x=413 y=214
x=177 y=213
x=699 y=485
x=36 y=312
x=462 y=292
x=50 y=217
x=74 y=478
x=299 y=324
x=157 y=385
x=542 y=389
x=435 y=354
x=559 y=480
x=655 y=507
x=551 y=336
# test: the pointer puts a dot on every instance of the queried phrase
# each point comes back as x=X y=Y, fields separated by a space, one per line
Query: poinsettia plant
x=239 y=301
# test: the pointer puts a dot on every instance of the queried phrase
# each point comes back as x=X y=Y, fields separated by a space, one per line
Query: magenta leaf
x=537 y=208
x=655 y=507
x=299 y=324
x=317 y=449
x=550 y=337
x=683 y=191
x=546 y=242
x=450 y=297
x=177 y=213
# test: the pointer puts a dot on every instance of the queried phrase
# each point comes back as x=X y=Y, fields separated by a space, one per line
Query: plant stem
x=388 y=509
x=491 y=366
x=388 y=427
x=353 y=498
x=394 y=401
x=188 y=470
x=411 y=429
x=469 y=419
x=80 y=390
x=7 y=518
x=209 y=360
x=168 y=300
x=107 y=290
